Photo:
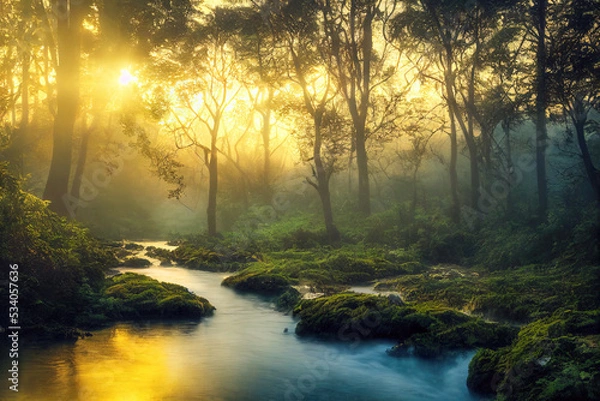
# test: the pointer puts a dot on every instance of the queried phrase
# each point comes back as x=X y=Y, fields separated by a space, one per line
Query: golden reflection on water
x=133 y=367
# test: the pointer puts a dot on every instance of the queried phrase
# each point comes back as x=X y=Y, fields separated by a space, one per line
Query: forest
x=445 y=153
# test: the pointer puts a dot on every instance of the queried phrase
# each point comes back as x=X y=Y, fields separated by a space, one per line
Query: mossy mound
x=164 y=255
x=288 y=300
x=136 y=262
x=259 y=283
x=430 y=331
x=130 y=296
x=555 y=358
x=218 y=258
x=132 y=246
x=519 y=295
x=324 y=270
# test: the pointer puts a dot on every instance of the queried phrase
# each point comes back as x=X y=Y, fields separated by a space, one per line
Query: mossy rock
x=555 y=358
x=430 y=330
x=130 y=296
x=288 y=300
x=260 y=283
x=131 y=246
x=136 y=262
x=158 y=253
x=484 y=375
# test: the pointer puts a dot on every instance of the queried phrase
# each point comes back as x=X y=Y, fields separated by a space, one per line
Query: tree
x=421 y=123
x=359 y=67
x=454 y=36
x=573 y=72
x=69 y=19
x=541 y=134
x=205 y=90
x=141 y=27
x=263 y=77
x=298 y=29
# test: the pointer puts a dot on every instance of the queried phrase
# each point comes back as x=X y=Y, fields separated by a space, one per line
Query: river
x=240 y=354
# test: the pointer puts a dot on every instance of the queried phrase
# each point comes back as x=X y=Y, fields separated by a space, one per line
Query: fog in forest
x=436 y=163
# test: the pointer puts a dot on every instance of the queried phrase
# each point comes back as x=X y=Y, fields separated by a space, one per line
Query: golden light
x=415 y=90
x=126 y=78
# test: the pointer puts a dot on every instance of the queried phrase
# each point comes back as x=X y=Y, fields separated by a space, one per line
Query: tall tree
x=541 y=132
x=141 y=25
x=205 y=89
x=263 y=60
x=298 y=29
x=358 y=59
x=574 y=72
x=69 y=17
x=455 y=35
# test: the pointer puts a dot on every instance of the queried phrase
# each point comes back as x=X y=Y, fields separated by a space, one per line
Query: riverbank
x=441 y=309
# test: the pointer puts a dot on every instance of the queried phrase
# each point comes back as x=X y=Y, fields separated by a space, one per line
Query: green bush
x=61 y=267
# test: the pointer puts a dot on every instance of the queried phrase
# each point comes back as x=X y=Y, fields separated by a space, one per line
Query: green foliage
x=132 y=295
x=62 y=273
x=61 y=268
x=288 y=300
x=568 y=235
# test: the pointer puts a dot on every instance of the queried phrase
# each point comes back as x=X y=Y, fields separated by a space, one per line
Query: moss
x=288 y=300
x=326 y=269
x=211 y=257
x=257 y=282
x=161 y=254
x=136 y=262
x=132 y=246
x=431 y=331
x=132 y=295
x=484 y=374
x=520 y=295
x=555 y=358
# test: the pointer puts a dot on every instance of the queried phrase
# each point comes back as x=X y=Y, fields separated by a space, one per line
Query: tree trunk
x=211 y=210
x=451 y=102
x=364 y=189
x=510 y=168
x=67 y=84
x=19 y=141
x=81 y=161
x=266 y=137
x=470 y=137
x=455 y=208
x=579 y=120
x=333 y=234
x=322 y=185
x=541 y=135
x=413 y=206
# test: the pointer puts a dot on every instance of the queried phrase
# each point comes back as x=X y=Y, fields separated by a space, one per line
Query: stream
x=242 y=353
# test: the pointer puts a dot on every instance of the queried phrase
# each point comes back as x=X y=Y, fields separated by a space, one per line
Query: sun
x=127 y=77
